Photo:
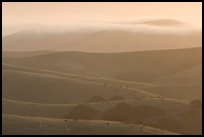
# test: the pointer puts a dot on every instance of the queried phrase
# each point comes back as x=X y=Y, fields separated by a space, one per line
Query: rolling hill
x=162 y=81
x=49 y=88
x=135 y=66
x=186 y=84
x=24 y=54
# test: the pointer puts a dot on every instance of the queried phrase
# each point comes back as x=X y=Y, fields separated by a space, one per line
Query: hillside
x=123 y=66
x=186 y=84
x=24 y=54
x=59 y=110
x=47 y=126
x=155 y=92
x=189 y=123
x=59 y=89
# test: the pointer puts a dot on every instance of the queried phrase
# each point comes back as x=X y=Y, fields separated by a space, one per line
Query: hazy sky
x=18 y=14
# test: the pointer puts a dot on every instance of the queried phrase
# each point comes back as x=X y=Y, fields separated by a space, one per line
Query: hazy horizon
x=98 y=27
x=21 y=16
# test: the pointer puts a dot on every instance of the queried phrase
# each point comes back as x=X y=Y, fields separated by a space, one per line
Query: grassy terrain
x=47 y=126
x=41 y=89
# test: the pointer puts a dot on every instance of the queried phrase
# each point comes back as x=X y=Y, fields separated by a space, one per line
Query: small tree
x=143 y=112
x=81 y=112
x=115 y=98
x=97 y=99
x=196 y=104
x=120 y=113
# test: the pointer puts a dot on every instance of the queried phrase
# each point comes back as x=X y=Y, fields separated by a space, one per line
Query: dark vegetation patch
x=81 y=112
x=97 y=99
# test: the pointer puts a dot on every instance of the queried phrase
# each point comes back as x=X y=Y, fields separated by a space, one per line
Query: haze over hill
x=162 y=22
x=158 y=85
x=107 y=37
x=102 y=68
x=159 y=81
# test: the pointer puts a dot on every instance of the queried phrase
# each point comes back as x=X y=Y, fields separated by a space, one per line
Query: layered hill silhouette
x=169 y=71
x=137 y=66
x=170 y=81
x=141 y=78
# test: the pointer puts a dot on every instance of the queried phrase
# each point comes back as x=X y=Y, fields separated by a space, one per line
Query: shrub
x=196 y=104
x=115 y=98
x=97 y=99
x=143 y=112
x=120 y=112
x=81 y=112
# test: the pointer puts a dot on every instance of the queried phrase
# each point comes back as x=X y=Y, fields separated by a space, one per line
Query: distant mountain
x=110 y=38
x=122 y=41
x=35 y=41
